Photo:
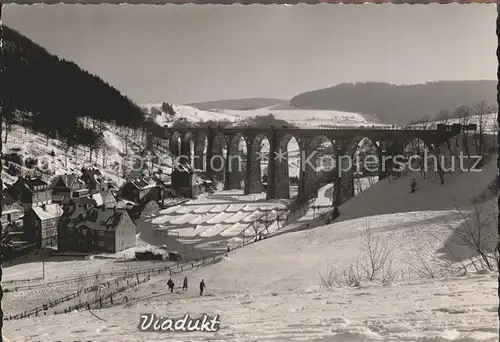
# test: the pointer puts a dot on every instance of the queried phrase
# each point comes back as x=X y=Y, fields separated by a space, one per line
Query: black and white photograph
x=249 y=173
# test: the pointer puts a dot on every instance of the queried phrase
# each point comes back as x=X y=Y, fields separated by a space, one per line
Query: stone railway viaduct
x=389 y=141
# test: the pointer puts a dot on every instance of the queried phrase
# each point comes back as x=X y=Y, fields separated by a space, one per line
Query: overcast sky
x=194 y=53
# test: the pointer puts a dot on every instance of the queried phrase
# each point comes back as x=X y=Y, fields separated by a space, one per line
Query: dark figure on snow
x=413 y=185
x=202 y=287
x=185 y=285
x=335 y=213
x=170 y=284
x=228 y=249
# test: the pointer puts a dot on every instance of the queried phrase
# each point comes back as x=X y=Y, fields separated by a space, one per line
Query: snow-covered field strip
x=187 y=209
x=204 y=209
x=236 y=217
x=221 y=217
x=186 y=218
x=219 y=208
x=252 y=217
x=203 y=218
x=235 y=229
x=215 y=230
x=233 y=208
x=183 y=232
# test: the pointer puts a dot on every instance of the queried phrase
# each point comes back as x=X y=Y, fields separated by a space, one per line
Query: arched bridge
x=205 y=147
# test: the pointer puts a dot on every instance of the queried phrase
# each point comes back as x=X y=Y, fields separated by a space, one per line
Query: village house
x=107 y=230
x=104 y=198
x=12 y=221
x=66 y=187
x=30 y=192
x=141 y=189
x=41 y=224
x=185 y=181
x=94 y=180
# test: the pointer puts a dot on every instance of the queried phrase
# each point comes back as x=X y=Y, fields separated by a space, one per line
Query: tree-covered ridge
x=398 y=104
x=52 y=93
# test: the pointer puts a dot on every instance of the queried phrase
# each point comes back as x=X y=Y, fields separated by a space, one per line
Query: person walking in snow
x=335 y=213
x=185 y=284
x=202 y=287
x=170 y=285
x=413 y=185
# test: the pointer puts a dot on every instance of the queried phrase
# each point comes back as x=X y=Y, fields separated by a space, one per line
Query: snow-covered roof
x=67 y=179
x=102 y=218
x=123 y=203
x=144 y=183
x=103 y=197
x=48 y=211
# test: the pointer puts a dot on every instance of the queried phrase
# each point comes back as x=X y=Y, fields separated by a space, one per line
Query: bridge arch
x=364 y=153
x=287 y=166
x=414 y=150
x=317 y=165
x=175 y=143
x=187 y=146
x=237 y=161
x=216 y=161
x=200 y=145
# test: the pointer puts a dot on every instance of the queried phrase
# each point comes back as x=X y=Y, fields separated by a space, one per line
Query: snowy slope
x=460 y=309
x=191 y=114
x=113 y=156
x=300 y=118
x=270 y=290
x=305 y=118
x=489 y=122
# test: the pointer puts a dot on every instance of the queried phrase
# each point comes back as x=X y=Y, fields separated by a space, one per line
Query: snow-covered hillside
x=487 y=121
x=300 y=118
x=271 y=290
x=306 y=118
x=114 y=154
x=190 y=114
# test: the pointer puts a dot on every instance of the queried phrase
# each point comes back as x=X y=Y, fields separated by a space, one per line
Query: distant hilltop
x=239 y=104
x=398 y=104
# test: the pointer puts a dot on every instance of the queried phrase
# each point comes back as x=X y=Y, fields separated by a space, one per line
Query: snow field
x=221 y=217
x=236 y=217
x=215 y=230
x=203 y=218
x=235 y=208
x=235 y=229
x=183 y=219
x=417 y=312
x=219 y=208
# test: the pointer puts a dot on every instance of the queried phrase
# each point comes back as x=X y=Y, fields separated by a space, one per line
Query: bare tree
x=475 y=231
x=463 y=114
x=374 y=264
x=444 y=116
x=480 y=111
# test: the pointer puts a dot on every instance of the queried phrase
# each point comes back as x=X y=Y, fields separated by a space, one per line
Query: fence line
x=177 y=268
x=51 y=304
